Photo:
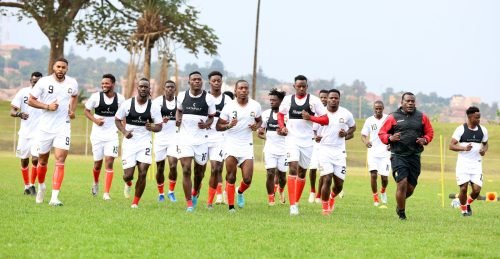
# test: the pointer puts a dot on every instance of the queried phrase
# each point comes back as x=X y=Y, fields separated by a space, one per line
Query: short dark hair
x=471 y=110
x=277 y=93
x=300 y=77
x=194 y=73
x=379 y=102
x=36 y=74
x=110 y=77
x=214 y=73
x=230 y=94
x=334 y=91
x=62 y=60
x=405 y=94
x=323 y=91
x=240 y=81
x=170 y=81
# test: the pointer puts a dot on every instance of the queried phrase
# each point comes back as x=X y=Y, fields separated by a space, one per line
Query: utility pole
x=254 y=76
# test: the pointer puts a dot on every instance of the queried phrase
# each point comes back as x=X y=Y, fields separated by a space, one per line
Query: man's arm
x=14 y=112
x=321 y=120
x=366 y=140
x=455 y=146
x=428 y=130
x=72 y=106
x=385 y=131
x=119 y=125
x=33 y=102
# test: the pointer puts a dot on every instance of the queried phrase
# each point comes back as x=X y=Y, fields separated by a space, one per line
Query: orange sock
x=96 y=175
x=243 y=187
x=211 y=195
x=160 y=188
x=325 y=205
x=470 y=200
x=129 y=183
x=109 y=180
x=136 y=200
x=33 y=174
x=332 y=200
x=189 y=203
x=230 y=193
x=41 y=172
x=382 y=190
x=58 y=177
x=171 y=185
x=375 y=197
x=463 y=208
x=318 y=195
x=301 y=182
x=26 y=177
x=292 y=185
x=270 y=198
x=219 y=188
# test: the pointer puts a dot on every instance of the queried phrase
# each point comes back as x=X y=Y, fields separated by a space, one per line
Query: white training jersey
x=140 y=134
x=167 y=134
x=48 y=90
x=300 y=131
x=240 y=138
x=28 y=126
x=108 y=130
x=370 y=129
x=215 y=136
x=472 y=157
x=275 y=144
x=189 y=131
x=341 y=119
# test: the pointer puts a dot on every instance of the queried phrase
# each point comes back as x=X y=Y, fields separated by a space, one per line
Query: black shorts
x=406 y=167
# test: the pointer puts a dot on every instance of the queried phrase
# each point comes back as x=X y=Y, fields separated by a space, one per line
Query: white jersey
x=470 y=158
x=48 y=90
x=108 y=130
x=300 y=131
x=167 y=135
x=239 y=139
x=370 y=129
x=140 y=134
x=20 y=102
x=189 y=131
x=215 y=136
x=275 y=144
x=341 y=119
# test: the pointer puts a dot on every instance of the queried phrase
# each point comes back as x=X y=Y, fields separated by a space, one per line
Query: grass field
x=87 y=226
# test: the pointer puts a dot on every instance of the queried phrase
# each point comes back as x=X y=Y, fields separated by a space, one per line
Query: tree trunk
x=147 y=62
x=56 y=51
x=163 y=76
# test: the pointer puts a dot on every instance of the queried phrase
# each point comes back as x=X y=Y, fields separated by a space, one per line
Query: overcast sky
x=445 y=46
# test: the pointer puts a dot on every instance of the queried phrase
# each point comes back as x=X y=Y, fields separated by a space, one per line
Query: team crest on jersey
x=252 y=114
x=70 y=90
x=341 y=120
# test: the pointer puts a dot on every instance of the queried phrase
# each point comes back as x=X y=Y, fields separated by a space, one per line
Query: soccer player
x=313 y=166
x=141 y=118
x=407 y=130
x=274 y=149
x=26 y=145
x=56 y=95
x=104 y=136
x=299 y=135
x=195 y=113
x=238 y=119
x=378 y=153
x=470 y=140
x=165 y=142
x=332 y=151
x=216 y=140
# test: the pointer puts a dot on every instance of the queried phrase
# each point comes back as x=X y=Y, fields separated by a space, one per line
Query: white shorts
x=216 y=153
x=330 y=162
x=102 y=148
x=301 y=154
x=162 y=150
x=133 y=152
x=60 y=140
x=276 y=161
x=26 y=147
x=240 y=159
x=380 y=164
x=314 y=164
x=474 y=178
x=198 y=152
x=469 y=173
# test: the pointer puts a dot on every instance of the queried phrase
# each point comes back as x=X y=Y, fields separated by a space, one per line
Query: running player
x=313 y=166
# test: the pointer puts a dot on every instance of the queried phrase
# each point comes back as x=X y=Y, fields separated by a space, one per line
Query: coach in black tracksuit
x=406 y=130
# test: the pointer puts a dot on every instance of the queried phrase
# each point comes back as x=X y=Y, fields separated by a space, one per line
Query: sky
x=446 y=46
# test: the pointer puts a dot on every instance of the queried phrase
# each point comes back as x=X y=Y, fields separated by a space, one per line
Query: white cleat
x=106 y=196
x=55 y=203
x=40 y=195
x=312 y=196
x=95 y=189
x=383 y=197
x=218 y=199
x=134 y=206
x=375 y=203
x=341 y=194
x=126 y=191
x=318 y=200
x=294 y=210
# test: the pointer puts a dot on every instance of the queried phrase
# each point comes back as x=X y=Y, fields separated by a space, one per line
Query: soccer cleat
x=312 y=196
x=55 y=203
x=326 y=212
x=210 y=206
x=401 y=214
x=32 y=190
x=106 y=196
x=331 y=204
x=27 y=191
x=375 y=203
x=171 y=197
x=341 y=194
x=294 y=210
x=189 y=209
x=465 y=214
x=272 y=203
x=40 y=195
x=218 y=199
x=95 y=189
x=383 y=197
x=240 y=199
x=317 y=200
x=469 y=210
x=134 y=206
x=126 y=191
x=195 y=201
x=375 y=200
x=161 y=198
x=232 y=210
x=282 y=197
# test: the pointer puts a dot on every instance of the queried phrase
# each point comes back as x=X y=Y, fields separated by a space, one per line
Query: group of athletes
x=301 y=132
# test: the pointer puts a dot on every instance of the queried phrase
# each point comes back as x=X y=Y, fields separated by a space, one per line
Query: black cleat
x=27 y=191
x=32 y=190
x=469 y=210
x=401 y=214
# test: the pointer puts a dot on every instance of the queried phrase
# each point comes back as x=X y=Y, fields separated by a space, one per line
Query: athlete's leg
x=231 y=167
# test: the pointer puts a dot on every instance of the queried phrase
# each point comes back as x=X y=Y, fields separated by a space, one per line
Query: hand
x=202 y=125
x=261 y=132
x=53 y=106
x=24 y=116
x=283 y=131
x=178 y=122
x=71 y=114
x=165 y=119
x=369 y=144
x=99 y=121
x=233 y=122
x=482 y=151
x=128 y=134
x=318 y=138
x=469 y=147
x=253 y=127
x=306 y=115
x=421 y=141
x=342 y=133
x=396 y=137
x=149 y=126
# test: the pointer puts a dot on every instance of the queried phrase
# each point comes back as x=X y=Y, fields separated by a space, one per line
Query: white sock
x=41 y=186
x=26 y=186
x=55 y=194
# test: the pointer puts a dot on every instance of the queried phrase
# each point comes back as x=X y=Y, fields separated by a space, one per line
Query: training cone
x=491 y=196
